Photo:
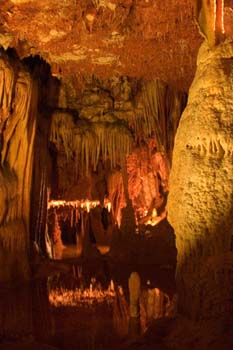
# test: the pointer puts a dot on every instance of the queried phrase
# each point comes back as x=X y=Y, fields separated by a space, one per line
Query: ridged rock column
x=18 y=114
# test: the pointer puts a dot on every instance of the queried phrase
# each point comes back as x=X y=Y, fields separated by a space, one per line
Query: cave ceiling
x=138 y=38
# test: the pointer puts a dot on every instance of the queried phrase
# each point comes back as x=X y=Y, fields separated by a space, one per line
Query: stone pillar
x=200 y=203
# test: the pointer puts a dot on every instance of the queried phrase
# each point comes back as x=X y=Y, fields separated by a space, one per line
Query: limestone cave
x=116 y=174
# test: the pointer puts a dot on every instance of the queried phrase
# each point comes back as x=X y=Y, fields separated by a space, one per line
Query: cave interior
x=116 y=174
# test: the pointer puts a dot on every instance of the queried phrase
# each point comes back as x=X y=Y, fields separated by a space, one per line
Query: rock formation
x=18 y=125
x=91 y=94
x=201 y=184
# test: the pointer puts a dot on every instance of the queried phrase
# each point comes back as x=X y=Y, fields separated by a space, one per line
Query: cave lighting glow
x=88 y=297
x=84 y=204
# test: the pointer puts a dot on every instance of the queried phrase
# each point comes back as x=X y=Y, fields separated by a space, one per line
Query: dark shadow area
x=48 y=93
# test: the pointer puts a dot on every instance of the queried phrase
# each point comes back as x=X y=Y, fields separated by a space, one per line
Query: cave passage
x=116 y=188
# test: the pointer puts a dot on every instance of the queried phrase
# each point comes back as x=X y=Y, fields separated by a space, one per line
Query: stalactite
x=61 y=133
x=210 y=18
x=90 y=141
x=153 y=99
x=84 y=146
x=116 y=194
x=7 y=81
x=158 y=113
x=128 y=222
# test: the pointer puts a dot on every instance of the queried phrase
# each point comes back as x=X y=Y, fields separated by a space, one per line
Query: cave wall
x=18 y=113
x=200 y=202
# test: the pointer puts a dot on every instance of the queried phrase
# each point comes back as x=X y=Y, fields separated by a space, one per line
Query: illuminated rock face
x=17 y=127
x=200 y=203
x=79 y=38
x=210 y=15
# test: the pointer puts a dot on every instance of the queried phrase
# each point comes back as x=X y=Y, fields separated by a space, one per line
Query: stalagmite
x=201 y=189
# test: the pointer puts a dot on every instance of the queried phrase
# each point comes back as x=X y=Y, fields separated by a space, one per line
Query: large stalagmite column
x=18 y=109
x=200 y=203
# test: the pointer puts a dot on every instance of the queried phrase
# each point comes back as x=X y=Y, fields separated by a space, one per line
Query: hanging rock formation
x=210 y=16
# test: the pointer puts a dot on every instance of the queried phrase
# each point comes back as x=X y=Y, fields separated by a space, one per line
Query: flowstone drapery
x=18 y=109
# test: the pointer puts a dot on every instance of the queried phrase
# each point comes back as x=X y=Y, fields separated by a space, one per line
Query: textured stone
x=134 y=38
x=18 y=112
x=200 y=203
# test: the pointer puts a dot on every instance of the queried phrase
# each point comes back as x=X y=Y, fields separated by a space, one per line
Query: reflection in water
x=15 y=306
x=88 y=297
x=87 y=314
x=146 y=304
x=120 y=313
x=25 y=313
